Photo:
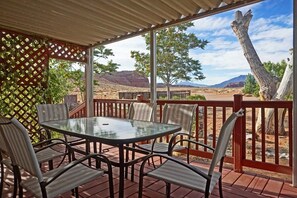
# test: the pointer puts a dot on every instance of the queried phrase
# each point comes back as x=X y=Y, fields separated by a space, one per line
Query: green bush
x=196 y=97
x=251 y=86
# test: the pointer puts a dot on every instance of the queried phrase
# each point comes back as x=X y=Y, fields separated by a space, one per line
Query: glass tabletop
x=111 y=130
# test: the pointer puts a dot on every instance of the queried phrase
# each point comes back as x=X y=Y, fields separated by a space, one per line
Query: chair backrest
x=3 y=121
x=141 y=111
x=223 y=139
x=181 y=114
x=19 y=147
x=48 y=112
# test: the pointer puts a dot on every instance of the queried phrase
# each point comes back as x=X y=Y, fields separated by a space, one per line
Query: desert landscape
x=109 y=90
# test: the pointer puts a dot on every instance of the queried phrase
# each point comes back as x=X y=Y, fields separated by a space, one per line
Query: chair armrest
x=192 y=142
x=173 y=138
x=195 y=170
x=49 y=141
x=45 y=136
x=79 y=161
x=60 y=142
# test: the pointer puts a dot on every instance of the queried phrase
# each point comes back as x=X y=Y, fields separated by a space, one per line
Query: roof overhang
x=99 y=22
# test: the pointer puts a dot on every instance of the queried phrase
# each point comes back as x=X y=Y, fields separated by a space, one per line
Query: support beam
x=153 y=67
x=294 y=155
x=89 y=76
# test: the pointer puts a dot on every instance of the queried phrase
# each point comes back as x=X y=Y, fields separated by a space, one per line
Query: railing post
x=237 y=135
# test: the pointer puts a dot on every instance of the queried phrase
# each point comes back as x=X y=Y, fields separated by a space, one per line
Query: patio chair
x=53 y=182
x=180 y=114
x=141 y=111
x=45 y=151
x=178 y=172
x=49 y=112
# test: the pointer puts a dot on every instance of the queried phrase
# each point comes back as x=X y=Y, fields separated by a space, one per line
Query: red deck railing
x=247 y=148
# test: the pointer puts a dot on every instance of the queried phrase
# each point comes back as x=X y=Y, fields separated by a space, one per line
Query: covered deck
x=22 y=24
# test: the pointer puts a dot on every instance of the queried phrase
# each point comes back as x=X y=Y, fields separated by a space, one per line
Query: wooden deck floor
x=234 y=185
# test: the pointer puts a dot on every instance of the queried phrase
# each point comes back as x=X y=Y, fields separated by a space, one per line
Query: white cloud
x=122 y=51
x=211 y=23
x=224 y=32
x=220 y=43
x=275 y=34
x=223 y=60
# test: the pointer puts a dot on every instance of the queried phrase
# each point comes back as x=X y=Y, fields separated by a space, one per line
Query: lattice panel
x=25 y=57
x=24 y=67
x=67 y=51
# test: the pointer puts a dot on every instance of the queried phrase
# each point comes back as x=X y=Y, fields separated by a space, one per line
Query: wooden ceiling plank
x=127 y=17
x=50 y=16
x=105 y=17
x=228 y=1
x=202 y=4
x=213 y=3
x=59 y=31
x=136 y=11
x=108 y=14
x=176 y=7
x=188 y=6
x=158 y=7
x=39 y=31
x=86 y=17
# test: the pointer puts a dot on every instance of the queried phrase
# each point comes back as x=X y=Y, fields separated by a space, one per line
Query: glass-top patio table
x=112 y=131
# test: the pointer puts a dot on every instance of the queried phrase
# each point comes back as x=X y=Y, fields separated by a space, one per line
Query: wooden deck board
x=249 y=185
x=272 y=188
x=243 y=181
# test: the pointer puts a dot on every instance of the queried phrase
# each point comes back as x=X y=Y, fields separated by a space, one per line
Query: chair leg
x=98 y=162
x=76 y=192
x=15 y=185
x=168 y=189
x=140 y=185
x=132 y=167
x=88 y=151
x=2 y=179
x=17 y=181
x=110 y=178
x=50 y=165
x=127 y=159
x=220 y=187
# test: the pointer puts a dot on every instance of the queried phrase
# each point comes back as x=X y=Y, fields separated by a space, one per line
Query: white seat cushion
x=76 y=176
x=177 y=174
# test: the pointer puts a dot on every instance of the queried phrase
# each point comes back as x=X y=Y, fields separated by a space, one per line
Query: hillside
x=238 y=79
x=233 y=82
x=128 y=78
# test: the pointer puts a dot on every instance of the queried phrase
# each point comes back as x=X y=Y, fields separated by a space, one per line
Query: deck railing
x=248 y=148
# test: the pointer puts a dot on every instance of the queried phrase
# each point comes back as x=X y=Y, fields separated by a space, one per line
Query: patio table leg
x=122 y=170
x=132 y=167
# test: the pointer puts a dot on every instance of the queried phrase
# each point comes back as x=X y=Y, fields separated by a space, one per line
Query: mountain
x=233 y=82
x=226 y=83
x=190 y=84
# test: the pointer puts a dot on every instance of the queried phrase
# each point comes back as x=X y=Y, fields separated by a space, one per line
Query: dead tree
x=271 y=89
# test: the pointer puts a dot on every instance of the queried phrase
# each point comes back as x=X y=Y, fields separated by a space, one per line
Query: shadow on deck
x=234 y=185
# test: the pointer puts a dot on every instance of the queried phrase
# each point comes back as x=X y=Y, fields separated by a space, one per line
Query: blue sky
x=271 y=32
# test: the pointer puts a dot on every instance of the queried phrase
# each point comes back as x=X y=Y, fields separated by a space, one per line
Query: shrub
x=196 y=97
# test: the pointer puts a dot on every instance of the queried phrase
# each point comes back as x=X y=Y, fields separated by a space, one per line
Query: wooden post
x=237 y=135
x=294 y=154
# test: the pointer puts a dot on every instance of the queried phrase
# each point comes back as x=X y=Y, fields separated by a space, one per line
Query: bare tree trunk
x=269 y=89
x=168 y=91
x=285 y=88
